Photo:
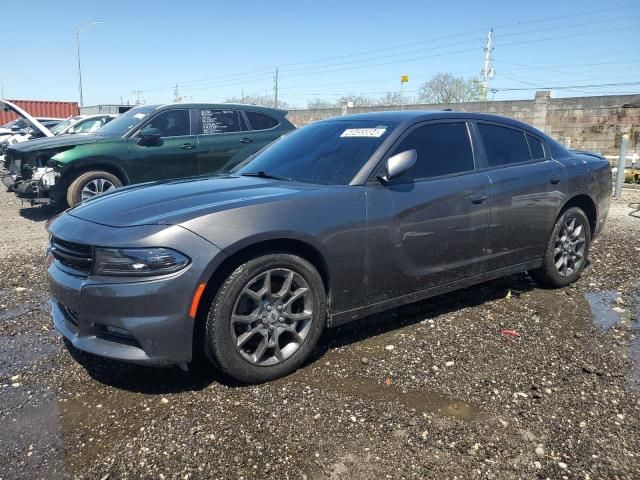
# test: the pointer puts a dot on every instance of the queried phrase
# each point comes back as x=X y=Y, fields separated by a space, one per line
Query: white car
x=82 y=124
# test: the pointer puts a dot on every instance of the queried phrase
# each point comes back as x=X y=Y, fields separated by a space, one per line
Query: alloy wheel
x=95 y=187
x=272 y=316
x=568 y=253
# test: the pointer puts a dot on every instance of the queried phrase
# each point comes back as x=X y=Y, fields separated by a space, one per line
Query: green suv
x=149 y=142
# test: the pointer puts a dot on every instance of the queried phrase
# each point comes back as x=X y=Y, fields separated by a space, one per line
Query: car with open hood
x=146 y=143
x=333 y=222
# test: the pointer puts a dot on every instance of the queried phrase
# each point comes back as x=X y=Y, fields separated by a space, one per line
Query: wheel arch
x=74 y=169
x=215 y=280
x=586 y=204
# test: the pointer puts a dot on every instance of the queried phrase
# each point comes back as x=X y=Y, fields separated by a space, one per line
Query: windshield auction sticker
x=364 y=132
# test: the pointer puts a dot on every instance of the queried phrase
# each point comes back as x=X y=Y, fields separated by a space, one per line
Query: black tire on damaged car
x=221 y=333
x=571 y=223
x=85 y=180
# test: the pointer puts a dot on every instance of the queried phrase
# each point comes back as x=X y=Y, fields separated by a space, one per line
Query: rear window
x=261 y=121
x=504 y=145
x=535 y=145
x=220 y=121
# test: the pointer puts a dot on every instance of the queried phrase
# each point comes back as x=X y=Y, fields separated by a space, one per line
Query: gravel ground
x=431 y=390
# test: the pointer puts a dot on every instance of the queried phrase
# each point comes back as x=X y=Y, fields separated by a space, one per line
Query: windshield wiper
x=263 y=174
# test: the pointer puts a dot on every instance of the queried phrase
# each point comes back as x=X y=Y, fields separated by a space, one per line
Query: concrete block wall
x=594 y=123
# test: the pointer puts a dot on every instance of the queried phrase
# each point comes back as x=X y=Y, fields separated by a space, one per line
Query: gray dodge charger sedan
x=333 y=222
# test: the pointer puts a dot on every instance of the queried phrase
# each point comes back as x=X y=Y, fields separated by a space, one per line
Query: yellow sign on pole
x=404 y=78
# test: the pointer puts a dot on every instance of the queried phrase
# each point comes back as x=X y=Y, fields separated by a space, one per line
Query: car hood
x=178 y=201
x=57 y=142
x=7 y=106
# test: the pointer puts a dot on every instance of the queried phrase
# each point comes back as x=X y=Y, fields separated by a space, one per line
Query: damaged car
x=146 y=143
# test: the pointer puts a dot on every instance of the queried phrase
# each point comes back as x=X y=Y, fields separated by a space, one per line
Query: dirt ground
x=431 y=390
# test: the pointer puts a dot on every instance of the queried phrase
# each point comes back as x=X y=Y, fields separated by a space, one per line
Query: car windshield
x=62 y=125
x=125 y=122
x=325 y=153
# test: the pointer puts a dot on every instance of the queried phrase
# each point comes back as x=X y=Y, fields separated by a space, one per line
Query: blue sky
x=215 y=50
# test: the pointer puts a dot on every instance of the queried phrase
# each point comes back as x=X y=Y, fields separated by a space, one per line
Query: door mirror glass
x=399 y=164
x=150 y=136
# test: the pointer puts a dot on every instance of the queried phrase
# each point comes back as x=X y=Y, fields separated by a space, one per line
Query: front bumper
x=152 y=313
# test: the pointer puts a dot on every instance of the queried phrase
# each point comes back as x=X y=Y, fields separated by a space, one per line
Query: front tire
x=566 y=254
x=90 y=184
x=266 y=318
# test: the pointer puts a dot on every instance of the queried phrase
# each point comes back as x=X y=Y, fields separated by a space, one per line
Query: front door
x=428 y=227
x=173 y=156
x=528 y=189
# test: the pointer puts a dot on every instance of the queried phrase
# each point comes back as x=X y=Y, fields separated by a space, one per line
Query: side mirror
x=399 y=164
x=150 y=136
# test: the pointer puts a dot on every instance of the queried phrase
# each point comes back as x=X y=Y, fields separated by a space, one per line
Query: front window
x=125 y=122
x=442 y=148
x=172 y=123
x=325 y=153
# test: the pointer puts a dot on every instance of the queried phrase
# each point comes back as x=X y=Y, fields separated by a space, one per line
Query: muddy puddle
x=606 y=313
x=71 y=432
x=419 y=400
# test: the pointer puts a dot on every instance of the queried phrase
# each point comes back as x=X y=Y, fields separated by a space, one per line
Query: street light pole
x=78 y=31
x=79 y=67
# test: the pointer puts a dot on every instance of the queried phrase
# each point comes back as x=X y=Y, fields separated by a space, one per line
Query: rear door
x=174 y=156
x=223 y=139
x=528 y=188
x=428 y=227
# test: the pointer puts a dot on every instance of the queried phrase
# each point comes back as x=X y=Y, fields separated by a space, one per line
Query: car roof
x=222 y=106
x=413 y=116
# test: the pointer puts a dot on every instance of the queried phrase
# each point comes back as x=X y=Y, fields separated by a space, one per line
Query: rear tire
x=566 y=254
x=90 y=184
x=266 y=318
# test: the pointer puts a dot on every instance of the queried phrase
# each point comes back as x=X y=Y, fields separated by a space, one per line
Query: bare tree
x=320 y=103
x=393 y=98
x=447 y=88
x=264 y=100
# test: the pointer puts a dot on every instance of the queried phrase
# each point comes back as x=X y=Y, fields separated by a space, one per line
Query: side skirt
x=341 y=318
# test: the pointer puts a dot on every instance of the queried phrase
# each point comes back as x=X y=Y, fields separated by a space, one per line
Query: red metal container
x=39 y=108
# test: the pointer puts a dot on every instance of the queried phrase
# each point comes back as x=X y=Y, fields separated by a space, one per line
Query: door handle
x=187 y=146
x=245 y=140
x=478 y=198
x=555 y=179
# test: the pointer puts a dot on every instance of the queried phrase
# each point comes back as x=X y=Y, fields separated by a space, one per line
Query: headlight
x=138 y=261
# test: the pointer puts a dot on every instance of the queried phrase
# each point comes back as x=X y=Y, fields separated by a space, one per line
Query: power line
x=261 y=74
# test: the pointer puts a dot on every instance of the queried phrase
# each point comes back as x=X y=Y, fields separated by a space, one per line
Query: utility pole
x=487 y=71
x=1 y=88
x=242 y=96
x=275 y=87
x=176 y=95
x=138 y=93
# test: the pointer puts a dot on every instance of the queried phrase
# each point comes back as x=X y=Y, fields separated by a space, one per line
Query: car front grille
x=75 y=258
